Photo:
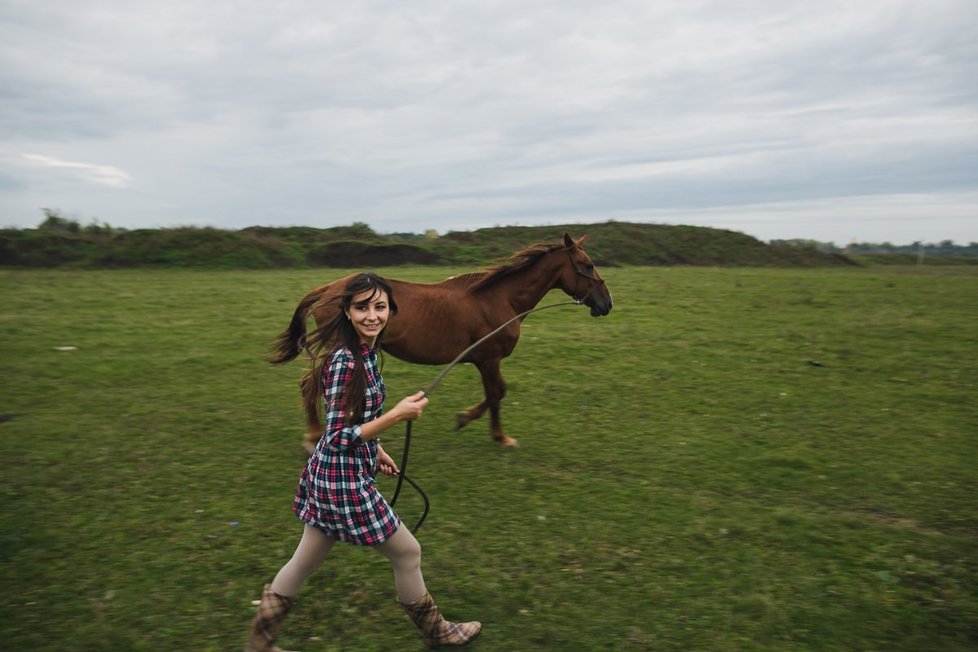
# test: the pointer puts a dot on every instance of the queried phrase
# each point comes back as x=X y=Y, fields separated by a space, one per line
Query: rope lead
x=401 y=476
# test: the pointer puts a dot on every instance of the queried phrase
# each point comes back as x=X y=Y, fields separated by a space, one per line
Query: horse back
x=434 y=321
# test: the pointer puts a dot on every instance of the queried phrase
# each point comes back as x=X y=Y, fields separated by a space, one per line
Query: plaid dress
x=337 y=490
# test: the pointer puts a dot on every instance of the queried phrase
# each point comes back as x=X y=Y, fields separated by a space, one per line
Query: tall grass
x=733 y=459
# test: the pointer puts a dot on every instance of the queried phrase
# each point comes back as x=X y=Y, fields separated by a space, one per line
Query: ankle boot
x=435 y=630
x=264 y=628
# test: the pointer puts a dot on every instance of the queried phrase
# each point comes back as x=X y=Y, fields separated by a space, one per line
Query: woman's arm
x=338 y=435
x=336 y=374
x=386 y=463
x=408 y=409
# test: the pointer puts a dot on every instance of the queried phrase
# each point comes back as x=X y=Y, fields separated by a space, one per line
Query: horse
x=435 y=322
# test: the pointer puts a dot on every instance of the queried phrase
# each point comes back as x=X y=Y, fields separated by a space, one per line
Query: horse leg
x=314 y=425
x=470 y=414
x=495 y=389
x=313 y=432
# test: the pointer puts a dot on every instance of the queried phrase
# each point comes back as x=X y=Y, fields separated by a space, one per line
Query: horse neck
x=524 y=289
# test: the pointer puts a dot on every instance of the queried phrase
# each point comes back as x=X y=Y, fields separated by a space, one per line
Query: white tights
x=401 y=548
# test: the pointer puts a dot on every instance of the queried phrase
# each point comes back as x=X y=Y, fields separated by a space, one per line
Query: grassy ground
x=735 y=459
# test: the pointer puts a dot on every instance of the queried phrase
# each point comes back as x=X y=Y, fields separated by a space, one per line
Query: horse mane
x=519 y=261
x=467 y=277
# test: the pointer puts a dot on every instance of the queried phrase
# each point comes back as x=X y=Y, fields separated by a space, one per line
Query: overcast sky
x=833 y=120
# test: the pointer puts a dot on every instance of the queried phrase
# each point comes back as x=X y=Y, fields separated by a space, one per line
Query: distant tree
x=98 y=228
x=361 y=229
x=802 y=243
x=55 y=222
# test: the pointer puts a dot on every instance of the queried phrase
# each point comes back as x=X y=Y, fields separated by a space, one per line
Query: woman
x=337 y=498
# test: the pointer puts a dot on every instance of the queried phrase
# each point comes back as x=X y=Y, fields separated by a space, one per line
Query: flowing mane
x=467 y=278
x=522 y=259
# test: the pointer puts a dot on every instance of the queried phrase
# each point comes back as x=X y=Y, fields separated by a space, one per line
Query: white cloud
x=105 y=175
x=431 y=113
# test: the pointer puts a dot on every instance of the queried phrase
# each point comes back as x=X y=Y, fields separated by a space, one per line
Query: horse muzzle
x=599 y=305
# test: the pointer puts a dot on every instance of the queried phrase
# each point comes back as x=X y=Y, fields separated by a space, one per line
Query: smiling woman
x=368 y=314
x=337 y=498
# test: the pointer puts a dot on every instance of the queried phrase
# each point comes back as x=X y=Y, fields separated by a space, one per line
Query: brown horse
x=436 y=322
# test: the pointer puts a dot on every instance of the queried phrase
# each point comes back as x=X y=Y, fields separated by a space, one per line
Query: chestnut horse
x=436 y=322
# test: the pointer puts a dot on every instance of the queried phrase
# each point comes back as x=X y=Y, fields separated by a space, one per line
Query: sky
x=836 y=121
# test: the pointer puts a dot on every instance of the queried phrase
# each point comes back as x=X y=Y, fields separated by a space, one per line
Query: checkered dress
x=337 y=490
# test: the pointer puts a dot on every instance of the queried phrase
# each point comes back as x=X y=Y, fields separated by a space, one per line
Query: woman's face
x=368 y=312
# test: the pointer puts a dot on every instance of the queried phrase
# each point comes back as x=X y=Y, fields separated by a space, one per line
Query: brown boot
x=264 y=628
x=435 y=630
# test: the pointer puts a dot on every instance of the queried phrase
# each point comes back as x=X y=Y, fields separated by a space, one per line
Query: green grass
x=734 y=459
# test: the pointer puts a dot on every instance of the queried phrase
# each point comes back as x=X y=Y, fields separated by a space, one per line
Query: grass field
x=733 y=459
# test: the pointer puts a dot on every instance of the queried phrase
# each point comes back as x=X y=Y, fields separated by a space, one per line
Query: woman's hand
x=410 y=408
x=386 y=463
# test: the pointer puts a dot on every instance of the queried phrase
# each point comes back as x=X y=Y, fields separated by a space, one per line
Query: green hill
x=59 y=242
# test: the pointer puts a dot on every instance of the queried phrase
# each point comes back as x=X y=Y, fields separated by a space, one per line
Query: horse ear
x=568 y=241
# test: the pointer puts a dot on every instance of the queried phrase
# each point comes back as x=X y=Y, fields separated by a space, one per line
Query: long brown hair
x=338 y=333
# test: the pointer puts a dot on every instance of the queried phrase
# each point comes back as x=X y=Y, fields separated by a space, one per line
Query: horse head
x=580 y=279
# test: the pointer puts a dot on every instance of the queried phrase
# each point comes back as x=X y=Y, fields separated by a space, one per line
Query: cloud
x=432 y=114
x=106 y=175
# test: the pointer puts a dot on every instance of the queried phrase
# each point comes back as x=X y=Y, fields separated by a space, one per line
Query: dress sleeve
x=336 y=374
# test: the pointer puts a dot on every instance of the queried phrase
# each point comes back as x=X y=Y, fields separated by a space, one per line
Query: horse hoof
x=508 y=442
x=461 y=420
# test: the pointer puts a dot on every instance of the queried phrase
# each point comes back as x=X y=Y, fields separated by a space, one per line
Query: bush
x=58 y=242
x=360 y=254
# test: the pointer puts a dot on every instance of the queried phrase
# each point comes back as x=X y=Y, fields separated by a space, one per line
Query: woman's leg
x=404 y=551
x=276 y=599
x=311 y=552
x=405 y=554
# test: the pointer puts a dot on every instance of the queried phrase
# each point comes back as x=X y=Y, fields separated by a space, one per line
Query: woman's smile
x=368 y=313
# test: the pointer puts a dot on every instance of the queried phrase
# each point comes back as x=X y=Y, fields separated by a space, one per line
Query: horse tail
x=292 y=340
